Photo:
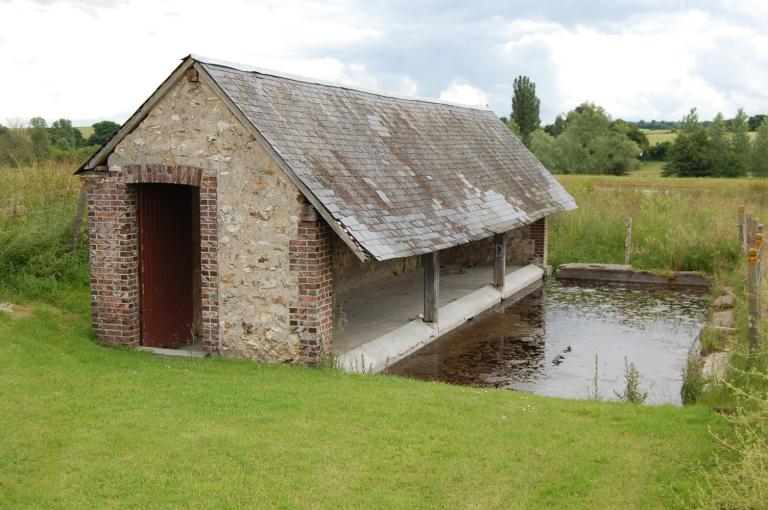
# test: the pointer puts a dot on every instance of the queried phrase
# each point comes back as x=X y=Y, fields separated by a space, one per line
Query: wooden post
x=750 y=232
x=752 y=298
x=431 y=286
x=499 y=259
x=759 y=248
x=628 y=243
x=742 y=229
x=78 y=223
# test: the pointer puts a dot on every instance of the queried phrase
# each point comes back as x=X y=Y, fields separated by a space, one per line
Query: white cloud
x=102 y=62
x=96 y=59
x=464 y=93
x=654 y=67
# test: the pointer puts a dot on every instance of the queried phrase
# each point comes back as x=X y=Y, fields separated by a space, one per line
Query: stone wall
x=257 y=215
x=349 y=272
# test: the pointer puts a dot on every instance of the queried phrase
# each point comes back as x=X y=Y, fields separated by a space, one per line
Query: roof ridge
x=327 y=83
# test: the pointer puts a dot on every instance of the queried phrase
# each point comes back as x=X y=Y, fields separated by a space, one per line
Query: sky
x=90 y=60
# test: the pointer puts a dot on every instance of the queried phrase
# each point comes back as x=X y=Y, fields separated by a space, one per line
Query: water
x=546 y=343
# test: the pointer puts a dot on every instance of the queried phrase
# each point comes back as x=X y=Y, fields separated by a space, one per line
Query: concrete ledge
x=177 y=353
x=625 y=274
x=387 y=349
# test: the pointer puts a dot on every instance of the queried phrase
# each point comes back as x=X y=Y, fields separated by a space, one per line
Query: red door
x=166 y=248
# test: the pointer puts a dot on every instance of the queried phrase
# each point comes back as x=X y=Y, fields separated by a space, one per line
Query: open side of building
x=278 y=218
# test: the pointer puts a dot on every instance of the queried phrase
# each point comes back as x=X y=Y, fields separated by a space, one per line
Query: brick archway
x=113 y=246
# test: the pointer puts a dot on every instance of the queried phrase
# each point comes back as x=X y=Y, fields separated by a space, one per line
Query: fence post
x=628 y=243
x=752 y=297
x=759 y=247
x=742 y=232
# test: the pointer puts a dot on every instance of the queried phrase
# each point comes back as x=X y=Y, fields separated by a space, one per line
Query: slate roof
x=402 y=176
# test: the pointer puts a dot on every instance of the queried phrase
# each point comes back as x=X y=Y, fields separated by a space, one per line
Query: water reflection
x=546 y=343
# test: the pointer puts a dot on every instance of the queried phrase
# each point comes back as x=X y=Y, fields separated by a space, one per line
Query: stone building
x=236 y=205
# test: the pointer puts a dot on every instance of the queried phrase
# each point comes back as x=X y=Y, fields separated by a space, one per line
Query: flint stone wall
x=258 y=214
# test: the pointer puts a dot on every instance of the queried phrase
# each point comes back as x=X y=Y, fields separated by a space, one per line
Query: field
x=678 y=224
x=83 y=425
x=665 y=135
x=86 y=131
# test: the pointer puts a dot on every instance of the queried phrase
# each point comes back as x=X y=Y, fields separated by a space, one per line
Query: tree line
x=36 y=141
x=587 y=140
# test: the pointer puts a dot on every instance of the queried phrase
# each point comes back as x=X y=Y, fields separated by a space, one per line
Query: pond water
x=546 y=342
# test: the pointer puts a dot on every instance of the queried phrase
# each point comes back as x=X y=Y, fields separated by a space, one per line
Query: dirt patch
x=15 y=311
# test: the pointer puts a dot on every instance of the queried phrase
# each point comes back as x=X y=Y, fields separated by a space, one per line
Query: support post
x=499 y=259
x=431 y=286
x=752 y=298
x=742 y=229
x=628 y=243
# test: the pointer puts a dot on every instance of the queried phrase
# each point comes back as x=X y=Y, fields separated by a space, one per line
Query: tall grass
x=37 y=206
x=678 y=224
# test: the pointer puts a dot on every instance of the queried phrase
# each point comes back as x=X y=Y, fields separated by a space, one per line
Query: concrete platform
x=381 y=323
x=625 y=274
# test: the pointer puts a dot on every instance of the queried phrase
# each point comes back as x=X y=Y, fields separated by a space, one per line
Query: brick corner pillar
x=113 y=250
x=312 y=261
x=540 y=235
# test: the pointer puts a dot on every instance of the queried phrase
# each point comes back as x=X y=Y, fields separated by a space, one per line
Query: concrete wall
x=258 y=214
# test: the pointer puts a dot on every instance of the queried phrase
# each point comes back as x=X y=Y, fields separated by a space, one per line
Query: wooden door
x=166 y=257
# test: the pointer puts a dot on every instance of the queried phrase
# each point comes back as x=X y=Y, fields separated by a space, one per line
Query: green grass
x=86 y=131
x=86 y=426
x=37 y=206
x=678 y=224
x=651 y=169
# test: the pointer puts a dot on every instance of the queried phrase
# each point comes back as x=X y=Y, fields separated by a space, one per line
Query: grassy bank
x=678 y=224
x=37 y=206
x=84 y=426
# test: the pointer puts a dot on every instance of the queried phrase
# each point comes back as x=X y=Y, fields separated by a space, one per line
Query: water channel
x=546 y=342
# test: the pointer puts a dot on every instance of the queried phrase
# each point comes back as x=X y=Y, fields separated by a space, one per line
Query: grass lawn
x=86 y=426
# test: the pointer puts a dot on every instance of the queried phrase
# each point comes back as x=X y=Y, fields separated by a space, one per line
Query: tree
x=658 y=152
x=587 y=145
x=724 y=160
x=102 y=132
x=760 y=151
x=633 y=133
x=690 y=155
x=512 y=125
x=62 y=130
x=525 y=107
x=755 y=121
x=740 y=144
x=38 y=135
x=556 y=129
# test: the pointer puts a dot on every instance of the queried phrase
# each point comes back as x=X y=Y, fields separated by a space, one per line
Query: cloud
x=464 y=93
x=87 y=59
